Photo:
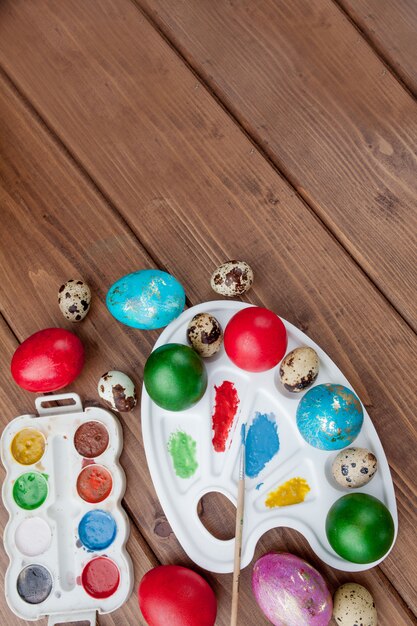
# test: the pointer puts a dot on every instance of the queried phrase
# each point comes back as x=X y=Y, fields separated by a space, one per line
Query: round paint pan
x=28 y=446
x=94 y=483
x=34 y=584
x=97 y=530
x=33 y=536
x=91 y=439
x=100 y=577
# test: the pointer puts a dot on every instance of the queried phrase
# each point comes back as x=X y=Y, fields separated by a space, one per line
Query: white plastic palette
x=62 y=511
x=261 y=392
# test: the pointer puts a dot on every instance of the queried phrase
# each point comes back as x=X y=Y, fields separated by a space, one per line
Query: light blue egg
x=329 y=416
x=147 y=299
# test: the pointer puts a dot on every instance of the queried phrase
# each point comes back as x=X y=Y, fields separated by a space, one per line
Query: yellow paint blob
x=293 y=491
x=28 y=446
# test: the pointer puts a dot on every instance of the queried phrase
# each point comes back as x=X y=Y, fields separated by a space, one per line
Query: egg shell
x=255 y=339
x=360 y=528
x=353 y=604
x=171 y=595
x=205 y=334
x=146 y=299
x=329 y=417
x=48 y=360
x=118 y=391
x=354 y=467
x=175 y=377
x=290 y=592
x=74 y=299
x=232 y=278
x=299 y=369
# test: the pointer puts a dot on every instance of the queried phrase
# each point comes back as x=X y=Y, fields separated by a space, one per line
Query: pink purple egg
x=290 y=592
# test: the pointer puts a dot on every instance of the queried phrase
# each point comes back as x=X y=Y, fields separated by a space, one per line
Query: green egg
x=360 y=528
x=175 y=377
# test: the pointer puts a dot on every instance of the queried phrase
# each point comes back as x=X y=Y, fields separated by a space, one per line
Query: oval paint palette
x=67 y=531
x=288 y=481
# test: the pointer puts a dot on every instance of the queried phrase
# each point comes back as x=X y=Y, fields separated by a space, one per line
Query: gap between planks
x=378 y=51
x=280 y=169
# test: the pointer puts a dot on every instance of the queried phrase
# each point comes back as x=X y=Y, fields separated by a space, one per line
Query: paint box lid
x=47 y=573
x=181 y=484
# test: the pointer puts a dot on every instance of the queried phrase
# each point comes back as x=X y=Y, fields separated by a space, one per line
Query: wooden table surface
x=179 y=134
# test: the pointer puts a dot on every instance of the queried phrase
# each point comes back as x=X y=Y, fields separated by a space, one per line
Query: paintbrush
x=239 y=528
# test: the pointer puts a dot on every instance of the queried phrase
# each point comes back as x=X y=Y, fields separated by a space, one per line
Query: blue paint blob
x=258 y=486
x=146 y=299
x=262 y=443
x=329 y=417
x=97 y=530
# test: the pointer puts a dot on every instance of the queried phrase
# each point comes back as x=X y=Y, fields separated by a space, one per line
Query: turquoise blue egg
x=147 y=299
x=329 y=416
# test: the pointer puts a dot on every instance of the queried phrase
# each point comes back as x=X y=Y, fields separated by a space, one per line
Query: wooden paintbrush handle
x=238 y=550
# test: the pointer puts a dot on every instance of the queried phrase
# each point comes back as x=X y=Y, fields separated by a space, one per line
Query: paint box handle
x=86 y=616
x=74 y=407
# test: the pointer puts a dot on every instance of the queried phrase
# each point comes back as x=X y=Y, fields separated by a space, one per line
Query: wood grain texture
x=195 y=191
x=392 y=29
x=307 y=87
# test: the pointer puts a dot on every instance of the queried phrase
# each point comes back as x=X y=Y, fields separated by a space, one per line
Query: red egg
x=48 y=360
x=171 y=595
x=255 y=339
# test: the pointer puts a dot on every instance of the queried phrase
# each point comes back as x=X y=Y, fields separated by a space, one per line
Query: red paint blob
x=255 y=339
x=225 y=408
x=100 y=577
x=94 y=483
x=48 y=360
x=171 y=595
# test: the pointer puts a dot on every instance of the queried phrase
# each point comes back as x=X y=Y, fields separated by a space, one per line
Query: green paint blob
x=30 y=490
x=182 y=449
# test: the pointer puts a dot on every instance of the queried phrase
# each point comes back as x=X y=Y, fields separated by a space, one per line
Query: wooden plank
x=307 y=87
x=57 y=226
x=392 y=29
x=157 y=112
x=15 y=401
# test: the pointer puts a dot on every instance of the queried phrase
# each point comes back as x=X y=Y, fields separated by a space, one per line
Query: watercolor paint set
x=67 y=530
x=288 y=482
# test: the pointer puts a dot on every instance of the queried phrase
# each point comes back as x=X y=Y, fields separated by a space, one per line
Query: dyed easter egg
x=170 y=595
x=290 y=592
x=299 y=369
x=147 y=299
x=353 y=604
x=329 y=416
x=255 y=339
x=118 y=391
x=205 y=334
x=232 y=278
x=74 y=298
x=354 y=467
x=48 y=360
x=360 y=528
x=175 y=377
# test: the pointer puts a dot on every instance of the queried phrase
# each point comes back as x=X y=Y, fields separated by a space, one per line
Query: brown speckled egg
x=299 y=369
x=353 y=604
x=354 y=467
x=205 y=334
x=74 y=298
x=118 y=391
x=232 y=278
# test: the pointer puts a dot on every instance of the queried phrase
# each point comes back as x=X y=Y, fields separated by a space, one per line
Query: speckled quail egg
x=232 y=278
x=354 y=605
x=118 y=391
x=205 y=334
x=354 y=467
x=74 y=298
x=299 y=369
